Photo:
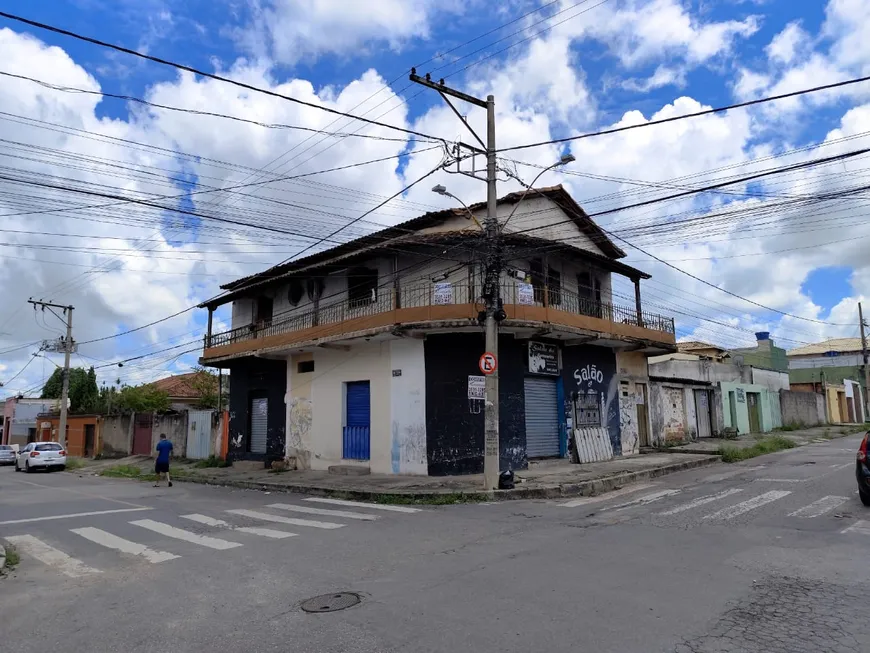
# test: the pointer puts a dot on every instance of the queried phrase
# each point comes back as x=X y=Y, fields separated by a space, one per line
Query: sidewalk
x=799 y=437
x=545 y=480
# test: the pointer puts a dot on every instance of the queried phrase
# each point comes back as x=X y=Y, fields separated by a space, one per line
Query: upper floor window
x=551 y=280
x=536 y=273
x=362 y=287
x=554 y=287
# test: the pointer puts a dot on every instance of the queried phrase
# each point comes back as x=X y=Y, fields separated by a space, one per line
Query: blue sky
x=598 y=64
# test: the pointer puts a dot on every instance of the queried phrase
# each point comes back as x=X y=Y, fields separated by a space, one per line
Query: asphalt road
x=764 y=556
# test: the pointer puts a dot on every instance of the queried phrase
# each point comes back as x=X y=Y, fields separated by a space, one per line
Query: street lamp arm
x=568 y=158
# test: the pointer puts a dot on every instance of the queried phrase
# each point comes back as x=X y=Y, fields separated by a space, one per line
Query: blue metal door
x=357 y=429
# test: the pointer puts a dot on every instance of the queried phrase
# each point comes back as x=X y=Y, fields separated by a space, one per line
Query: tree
x=204 y=383
x=145 y=398
x=84 y=396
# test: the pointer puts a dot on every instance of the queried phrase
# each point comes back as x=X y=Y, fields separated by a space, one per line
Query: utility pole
x=492 y=276
x=864 y=354
x=67 y=346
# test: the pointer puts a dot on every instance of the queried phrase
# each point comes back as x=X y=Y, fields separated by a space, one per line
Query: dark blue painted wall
x=257 y=377
x=586 y=368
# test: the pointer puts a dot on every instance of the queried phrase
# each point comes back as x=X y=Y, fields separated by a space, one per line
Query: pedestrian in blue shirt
x=164 y=448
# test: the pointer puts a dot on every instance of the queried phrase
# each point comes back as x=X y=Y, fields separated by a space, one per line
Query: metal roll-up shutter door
x=357 y=431
x=542 y=417
x=259 y=424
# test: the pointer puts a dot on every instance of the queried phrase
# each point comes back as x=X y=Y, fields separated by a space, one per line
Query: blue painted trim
x=563 y=421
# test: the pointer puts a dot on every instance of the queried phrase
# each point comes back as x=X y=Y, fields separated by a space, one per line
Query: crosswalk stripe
x=252 y=530
x=582 y=501
x=278 y=519
x=820 y=507
x=860 y=526
x=110 y=541
x=186 y=536
x=360 y=504
x=750 y=504
x=326 y=513
x=701 y=501
x=647 y=498
x=50 y=556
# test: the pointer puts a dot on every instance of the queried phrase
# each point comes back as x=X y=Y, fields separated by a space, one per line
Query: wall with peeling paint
x=632 y=370
x=408 y=407
x=299 y=410
x=333 y=368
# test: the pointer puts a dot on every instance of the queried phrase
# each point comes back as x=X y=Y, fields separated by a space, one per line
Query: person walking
x=164 y=448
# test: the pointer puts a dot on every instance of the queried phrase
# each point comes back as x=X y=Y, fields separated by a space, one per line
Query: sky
x=786 y=253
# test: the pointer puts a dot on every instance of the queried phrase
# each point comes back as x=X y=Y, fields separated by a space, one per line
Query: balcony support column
x=208 y=332
x=637 y=302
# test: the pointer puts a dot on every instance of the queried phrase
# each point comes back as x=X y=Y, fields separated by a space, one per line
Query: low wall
x=801 y=408
x=116 y=435
x=174 y=426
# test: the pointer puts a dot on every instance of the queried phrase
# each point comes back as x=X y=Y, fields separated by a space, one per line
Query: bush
x=732 y=454
x=74 y=463
x=211 y=461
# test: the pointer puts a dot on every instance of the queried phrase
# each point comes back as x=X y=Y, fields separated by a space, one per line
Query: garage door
x=542 y=417
x=259 y=424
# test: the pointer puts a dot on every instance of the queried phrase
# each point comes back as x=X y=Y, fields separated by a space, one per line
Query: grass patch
x=127 y=471
x=211 y=461
x=12 y=557
x=74 y=463
x=765 y=445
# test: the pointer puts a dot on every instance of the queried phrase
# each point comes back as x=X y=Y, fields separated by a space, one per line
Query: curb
x=583 y=488
x=2 y=559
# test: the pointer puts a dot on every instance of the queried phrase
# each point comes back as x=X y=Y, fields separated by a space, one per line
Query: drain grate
x=331 y=602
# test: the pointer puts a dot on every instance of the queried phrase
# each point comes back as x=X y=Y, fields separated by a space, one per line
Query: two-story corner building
x=367 y=353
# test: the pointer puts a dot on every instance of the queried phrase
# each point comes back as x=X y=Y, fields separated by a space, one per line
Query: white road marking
x=360 y=504
x=110 y=541
x=265 y=516
x=252 y=530
x=71 y=515
x=52 y=557
x=714 y=478
x=583 y=501
x=859 y=526
x=187 y=536
x=324 y=512
x=701 y=501
x=783 y=480
x=820 y=507
x=749 y=504
x=648 y=498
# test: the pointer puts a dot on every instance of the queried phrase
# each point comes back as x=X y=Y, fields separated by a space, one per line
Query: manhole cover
x=331 y=602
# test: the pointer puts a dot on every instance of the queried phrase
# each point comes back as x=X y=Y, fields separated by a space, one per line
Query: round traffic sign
x=488 y=363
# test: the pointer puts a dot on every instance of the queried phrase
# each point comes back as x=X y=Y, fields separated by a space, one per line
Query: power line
x=696 y=114
x=18 y=373
x=195 y=71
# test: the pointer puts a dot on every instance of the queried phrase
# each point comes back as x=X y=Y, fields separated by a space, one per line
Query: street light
x=441 y=190
x=563 y=160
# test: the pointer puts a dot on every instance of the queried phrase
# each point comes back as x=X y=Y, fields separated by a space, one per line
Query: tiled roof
x=842 y=345
x=179 y=386
x=696 y=344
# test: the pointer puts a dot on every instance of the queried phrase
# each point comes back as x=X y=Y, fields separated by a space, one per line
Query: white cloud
x=290 y=30
x=789 y=44
x=662 y=76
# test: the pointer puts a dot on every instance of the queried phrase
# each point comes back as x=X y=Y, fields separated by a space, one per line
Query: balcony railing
x=428 y=294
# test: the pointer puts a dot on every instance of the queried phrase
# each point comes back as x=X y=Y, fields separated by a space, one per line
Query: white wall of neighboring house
x=808 y=362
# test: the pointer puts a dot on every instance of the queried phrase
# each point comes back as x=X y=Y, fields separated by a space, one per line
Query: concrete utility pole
x=67 y=347
x=492 y=275
x=864 y=354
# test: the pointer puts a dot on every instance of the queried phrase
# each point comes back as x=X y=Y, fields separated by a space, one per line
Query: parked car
x=48 y=455
x=862 y=472
x=7 y=454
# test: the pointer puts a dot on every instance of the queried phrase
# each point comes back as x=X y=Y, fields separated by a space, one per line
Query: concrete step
x=349 y=470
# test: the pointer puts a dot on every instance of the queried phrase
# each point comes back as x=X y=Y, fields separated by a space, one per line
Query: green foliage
x=204 y=383
x=142 y=399
x=732 y=454
x=84 y=395
x=127 y=471
x=211 y=461
x=74 y=463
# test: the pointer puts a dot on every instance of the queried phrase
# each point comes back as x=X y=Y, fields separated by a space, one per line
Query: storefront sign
x=543 y=358
x=476 y=387
x=443 y=293
x=525 y=294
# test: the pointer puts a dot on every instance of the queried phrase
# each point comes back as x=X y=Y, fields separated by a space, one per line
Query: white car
x=47 y=455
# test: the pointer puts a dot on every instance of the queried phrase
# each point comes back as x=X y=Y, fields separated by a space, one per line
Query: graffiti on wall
x=408 y=451
x=628 y=421
x=589 y=369
x=299 y=418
